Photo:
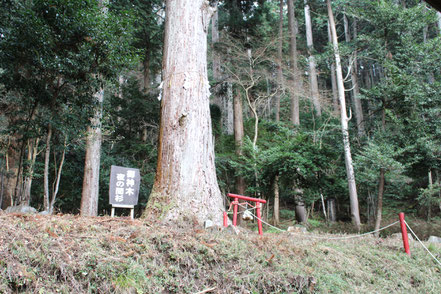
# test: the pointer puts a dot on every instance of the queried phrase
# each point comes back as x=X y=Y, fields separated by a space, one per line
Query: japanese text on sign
x=124 y=185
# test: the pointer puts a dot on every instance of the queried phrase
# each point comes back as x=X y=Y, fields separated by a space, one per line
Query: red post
x=259 y=222
x=225 y=219
x=404 y=233
x=235 y=202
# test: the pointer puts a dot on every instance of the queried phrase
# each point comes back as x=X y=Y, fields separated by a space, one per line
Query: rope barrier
x=328 y=238
x=410 y=229
x=353 y=236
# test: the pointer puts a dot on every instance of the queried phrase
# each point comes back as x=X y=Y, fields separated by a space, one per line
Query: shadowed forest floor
x=71 y=254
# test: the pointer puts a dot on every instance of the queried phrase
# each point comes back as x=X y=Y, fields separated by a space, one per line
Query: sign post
x=124 y=188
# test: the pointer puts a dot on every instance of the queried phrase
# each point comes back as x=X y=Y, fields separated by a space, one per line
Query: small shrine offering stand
x=258 y=202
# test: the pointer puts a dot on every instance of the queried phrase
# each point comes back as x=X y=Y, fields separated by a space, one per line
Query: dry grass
x=71 y=254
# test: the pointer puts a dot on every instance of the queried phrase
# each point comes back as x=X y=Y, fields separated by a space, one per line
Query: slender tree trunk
x=222 y=100
x=324 y=207
x=344 y=125
x=276 y=201
x=185 y=185
x=333 y=80
x=279 y=61
x=354 y=78
x=238 y=137
x=12 y=162
x=57 y=178
x=228 y=110
x=91 y=178
x=295 y=87
x=47 y=155
x=429 y=208
x=313 y=84
x=90 y=192
x=214 y=40
x=146 y=71
x=332 y=212
x=438 y=14
x=379 y=202
x=29 y=175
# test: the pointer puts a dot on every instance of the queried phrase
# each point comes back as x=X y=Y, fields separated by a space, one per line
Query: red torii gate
x=235 y=203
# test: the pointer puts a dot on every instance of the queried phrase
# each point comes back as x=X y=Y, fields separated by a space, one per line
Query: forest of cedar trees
x=328 y=110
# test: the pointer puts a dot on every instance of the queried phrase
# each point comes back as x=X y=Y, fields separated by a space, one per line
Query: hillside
x=70 y=254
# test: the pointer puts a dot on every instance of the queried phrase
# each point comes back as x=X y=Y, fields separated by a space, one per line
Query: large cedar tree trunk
x=90 y=192
x=185 y=184
x=355 y=214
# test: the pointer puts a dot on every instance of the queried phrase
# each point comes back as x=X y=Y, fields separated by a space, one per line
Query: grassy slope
x=69 y=254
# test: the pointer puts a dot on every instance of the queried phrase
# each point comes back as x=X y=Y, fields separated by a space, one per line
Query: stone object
x=208 y=224
x=434 y=239
x=21 y=209
x=297 y=229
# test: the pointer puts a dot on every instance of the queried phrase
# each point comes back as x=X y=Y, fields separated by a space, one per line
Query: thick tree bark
x=355 y=214
x=313 y=84
x=47 y=155
x=185 y=185
x=90 y=191
x=295 y=87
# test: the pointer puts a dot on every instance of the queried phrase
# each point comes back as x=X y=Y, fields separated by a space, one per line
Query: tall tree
x=295 y=86
x=354 y=78
x=344 y=123
x=91 y=178
x=276 y=217
x=185 y=183
x=313 y=83
x=333 y=79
